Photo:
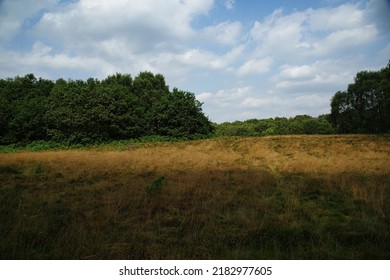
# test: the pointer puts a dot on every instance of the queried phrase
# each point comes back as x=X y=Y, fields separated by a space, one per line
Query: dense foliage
x=121 y=108
x=365 y=106
x=302 y=124
x=93 y=111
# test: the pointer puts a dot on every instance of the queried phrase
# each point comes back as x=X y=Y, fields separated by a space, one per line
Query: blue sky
x=243 y=59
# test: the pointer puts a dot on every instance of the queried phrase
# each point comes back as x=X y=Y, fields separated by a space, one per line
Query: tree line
x=93 y=111
x=120 y=108
x=302 y=124
x=363 y=108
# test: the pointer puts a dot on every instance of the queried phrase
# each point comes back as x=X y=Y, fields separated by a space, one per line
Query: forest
x=82 y=112
x=73 y=112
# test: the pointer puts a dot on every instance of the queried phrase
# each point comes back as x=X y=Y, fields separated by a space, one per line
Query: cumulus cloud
x=324 y=31
x=225 y=33
x=261 y=101
x=225 y=97
x=147 y=21
x=224 y=102
x=345 y=40
x=42 y=55
x=207 y=59
x=278 y=34
x=255 y=66
x=325 y=76
x=303 y=100
x=296 y=72
x=204 y=96
x=273 y=106
x=285 y=63
x=346 y=16
x=233 y=94
x=150 y=35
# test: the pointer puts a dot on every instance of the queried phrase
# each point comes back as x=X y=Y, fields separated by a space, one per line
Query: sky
x=243 y=59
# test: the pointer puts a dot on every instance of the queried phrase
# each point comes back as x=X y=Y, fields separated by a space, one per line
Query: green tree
x=125 y=111
x=364 y=107
x=67 y=113
x=150 y=89
x=22 y=108
x=93 y=111
x=179 y=114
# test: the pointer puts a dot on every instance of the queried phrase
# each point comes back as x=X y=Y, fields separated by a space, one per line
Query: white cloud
x=42 y=59
x=296 y=90
x=261 y=101
x=278 y=34
x=224 y=104
x=225 y=97
x=323 y=76
x=312 y=32
x=286 y=106
x=150 y=35
x=233 y=94
x=204 y=96
x=278 y=101
x=296 y=72
x=347 y=16
x=226 y=33
x=201 y=58
x=205 y=59
x=255 y=66
x=143 y=23
x=345 y=39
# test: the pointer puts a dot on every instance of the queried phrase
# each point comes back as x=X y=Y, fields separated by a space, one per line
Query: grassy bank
x=291 y=197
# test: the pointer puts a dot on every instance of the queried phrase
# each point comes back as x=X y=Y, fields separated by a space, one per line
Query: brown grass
x=273 y=197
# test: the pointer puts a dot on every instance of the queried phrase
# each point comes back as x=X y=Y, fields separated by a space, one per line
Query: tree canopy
x=93 y=111
x=365 y=106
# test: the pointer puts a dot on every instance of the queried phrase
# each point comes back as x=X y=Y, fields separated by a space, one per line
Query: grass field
x=287 y=197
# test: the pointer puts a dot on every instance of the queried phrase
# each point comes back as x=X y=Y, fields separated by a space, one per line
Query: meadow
x=277 y=197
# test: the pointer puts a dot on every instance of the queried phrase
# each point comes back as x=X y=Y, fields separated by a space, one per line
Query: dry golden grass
x=312 y=154
x=270 y=197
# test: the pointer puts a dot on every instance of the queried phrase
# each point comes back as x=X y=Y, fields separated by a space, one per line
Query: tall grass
x=301 y=197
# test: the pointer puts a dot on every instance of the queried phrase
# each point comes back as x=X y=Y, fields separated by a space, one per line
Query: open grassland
x=288 y=197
